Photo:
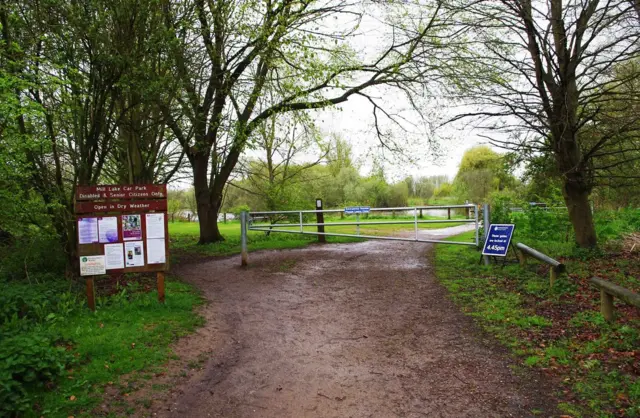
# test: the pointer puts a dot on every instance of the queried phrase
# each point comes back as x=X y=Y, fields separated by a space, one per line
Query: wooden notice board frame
x=107 y=201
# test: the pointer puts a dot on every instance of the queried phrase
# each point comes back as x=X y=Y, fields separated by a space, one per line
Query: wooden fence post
x=553 y=274
x=448 y=213
x=523 y=259
x=320 y=220
x=160 y=283
x=606 y=305
x=91 y=293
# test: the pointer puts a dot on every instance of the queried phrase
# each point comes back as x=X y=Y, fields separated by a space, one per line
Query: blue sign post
x=498 y=240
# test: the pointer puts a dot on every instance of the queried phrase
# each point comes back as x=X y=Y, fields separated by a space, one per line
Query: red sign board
x=132 y=191
x=121 y=207
x=122 y=228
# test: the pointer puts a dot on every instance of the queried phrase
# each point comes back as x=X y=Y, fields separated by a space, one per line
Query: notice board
x=122 y=228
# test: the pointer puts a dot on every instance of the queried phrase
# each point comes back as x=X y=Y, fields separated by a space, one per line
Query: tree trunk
x=208 y=217
x=577 y=201
x=208 y=204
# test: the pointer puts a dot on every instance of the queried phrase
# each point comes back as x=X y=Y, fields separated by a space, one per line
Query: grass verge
x=559 y=330
x=65 y=356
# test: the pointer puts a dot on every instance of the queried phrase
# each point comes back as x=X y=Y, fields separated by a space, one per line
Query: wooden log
x=620 y=292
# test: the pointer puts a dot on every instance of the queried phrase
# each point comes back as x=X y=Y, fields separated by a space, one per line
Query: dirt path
x=344 y=330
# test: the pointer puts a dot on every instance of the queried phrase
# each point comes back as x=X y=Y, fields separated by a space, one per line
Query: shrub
x=27 y=362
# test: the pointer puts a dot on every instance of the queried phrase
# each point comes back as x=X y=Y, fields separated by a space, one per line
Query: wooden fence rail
x=556 y=266
x=607 y=291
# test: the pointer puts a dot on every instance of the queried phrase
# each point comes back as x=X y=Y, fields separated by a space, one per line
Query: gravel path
x=343 y=330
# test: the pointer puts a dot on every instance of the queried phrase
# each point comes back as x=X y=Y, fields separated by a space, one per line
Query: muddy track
x=343 y=330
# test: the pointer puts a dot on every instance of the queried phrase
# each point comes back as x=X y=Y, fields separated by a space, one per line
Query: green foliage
x=593 y=357
x=28 y=364
x=501 y=203
x=52 y=347
x=482 y=171
x=237 y=210
x=36 y=256
x=444 y=190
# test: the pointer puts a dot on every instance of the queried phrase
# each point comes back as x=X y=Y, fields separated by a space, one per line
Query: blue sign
x=357 y=209
x=498 y=240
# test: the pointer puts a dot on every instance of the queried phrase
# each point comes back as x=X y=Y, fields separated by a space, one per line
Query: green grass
x=129 y=334
x=559 y=329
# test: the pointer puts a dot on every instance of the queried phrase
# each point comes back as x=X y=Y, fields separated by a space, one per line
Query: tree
x=175 y=203
x=556 y=59
x=76 y=64
x=481 y=171
x=283 y=142
x=228 y=55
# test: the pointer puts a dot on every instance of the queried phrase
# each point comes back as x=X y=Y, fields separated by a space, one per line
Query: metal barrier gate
x=274 y=224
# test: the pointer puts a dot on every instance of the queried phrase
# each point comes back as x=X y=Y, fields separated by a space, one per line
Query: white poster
x=114 y=256
x=87 y=230
x=134 y=254
x=92 y=265
x=155 y=225
x=156 y=251
x=108 y=229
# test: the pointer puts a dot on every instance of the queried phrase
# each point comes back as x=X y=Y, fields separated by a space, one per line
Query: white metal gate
x=251 y=221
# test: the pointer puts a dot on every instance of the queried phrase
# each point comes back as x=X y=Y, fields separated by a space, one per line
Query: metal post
x=243 y=238
x=415 y=220
x=357 y=224
x=320 y=220
x=301 y=228
x=486 y=222
x=486 y=219
x=475 y=211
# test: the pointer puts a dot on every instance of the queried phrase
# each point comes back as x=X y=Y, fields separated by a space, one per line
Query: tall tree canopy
x=241 y=63
x=557 y=87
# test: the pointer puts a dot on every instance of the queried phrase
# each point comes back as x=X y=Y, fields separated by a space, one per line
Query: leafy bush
x=501 y=204
x=27 y=362
x=37 y=257
x=236 y=210
x=27 y=303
